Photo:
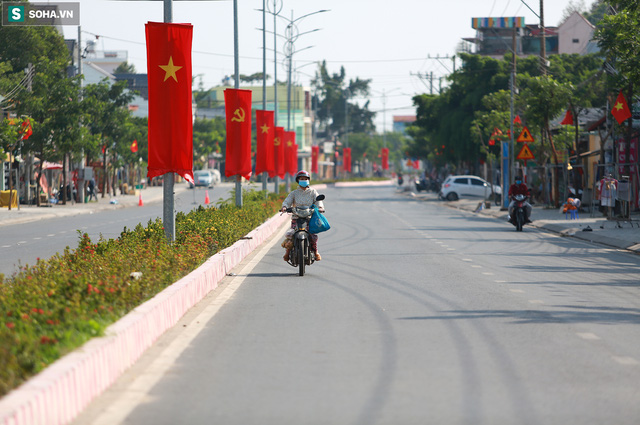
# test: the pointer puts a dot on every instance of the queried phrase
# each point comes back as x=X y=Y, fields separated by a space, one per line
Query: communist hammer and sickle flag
x=238 y=152
x=238 y=115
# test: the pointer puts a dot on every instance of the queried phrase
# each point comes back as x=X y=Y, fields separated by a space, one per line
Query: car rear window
x=461 y=180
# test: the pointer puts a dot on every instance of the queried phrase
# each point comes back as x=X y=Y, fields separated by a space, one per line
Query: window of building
x=576 y=40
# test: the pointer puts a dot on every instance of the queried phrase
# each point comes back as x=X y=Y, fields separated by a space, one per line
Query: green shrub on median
x=53 y=307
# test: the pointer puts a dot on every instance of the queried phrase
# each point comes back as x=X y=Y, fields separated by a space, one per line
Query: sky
x=394 y=44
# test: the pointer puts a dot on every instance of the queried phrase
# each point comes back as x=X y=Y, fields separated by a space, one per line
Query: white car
x=456 y=187
x=203 y=178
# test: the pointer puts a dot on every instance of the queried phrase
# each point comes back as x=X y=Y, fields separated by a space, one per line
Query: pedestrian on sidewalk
x=92 y=189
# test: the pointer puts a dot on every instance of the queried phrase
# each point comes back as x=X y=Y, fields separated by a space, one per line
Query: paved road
x=23 y=244
x=417 y=314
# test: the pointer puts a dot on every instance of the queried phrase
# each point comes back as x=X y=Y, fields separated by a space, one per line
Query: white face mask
x=303 y=183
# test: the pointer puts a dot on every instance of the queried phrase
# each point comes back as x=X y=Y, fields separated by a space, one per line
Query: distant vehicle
x=456 y=187
x=216 y=176
x=204 y=178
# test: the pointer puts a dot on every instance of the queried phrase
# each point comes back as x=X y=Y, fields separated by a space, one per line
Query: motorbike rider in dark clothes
x=518 y=188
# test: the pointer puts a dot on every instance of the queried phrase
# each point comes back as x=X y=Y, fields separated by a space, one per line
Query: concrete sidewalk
x=29 y=213
x=612 y=233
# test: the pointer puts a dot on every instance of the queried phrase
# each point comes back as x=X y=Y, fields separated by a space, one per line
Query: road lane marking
x=487 y=273
x=51 y=234
x=22 y=242
x=475 y=266
x=502 y=281
x=627 y=361
x=136 y=392
x=6 y=246
x=536 y=301
x=35 y=239
x=517 y=291
x=588 y=336
x=467 y=259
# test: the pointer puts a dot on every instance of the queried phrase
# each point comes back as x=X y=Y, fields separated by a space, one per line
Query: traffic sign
x=525 y=153
x=525 y=136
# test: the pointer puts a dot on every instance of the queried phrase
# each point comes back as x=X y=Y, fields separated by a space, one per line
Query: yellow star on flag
x=170 y=70
x=618 y=106
x=265 y=128
x=289 y=143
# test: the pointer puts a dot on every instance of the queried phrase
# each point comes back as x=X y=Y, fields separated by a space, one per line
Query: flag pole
x=168 y=218
x=236 y=60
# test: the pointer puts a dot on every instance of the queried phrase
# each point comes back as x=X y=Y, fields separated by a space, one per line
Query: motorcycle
x=301 y=254
x=519 y=218
x=421 y=184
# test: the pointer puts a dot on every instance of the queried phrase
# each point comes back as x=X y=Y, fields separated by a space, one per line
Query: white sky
x=386 y=41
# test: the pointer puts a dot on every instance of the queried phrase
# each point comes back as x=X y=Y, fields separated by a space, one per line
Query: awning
x=51 y=166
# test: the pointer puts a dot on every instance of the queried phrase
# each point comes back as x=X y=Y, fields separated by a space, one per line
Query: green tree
x=209 y=137
x=332 y=100
x=106 y=107
x=125 y=68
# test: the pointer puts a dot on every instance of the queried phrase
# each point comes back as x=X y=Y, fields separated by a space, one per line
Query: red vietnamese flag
x=134 y=146
x=620 y=109
x=265 y=131
x=346 y=159
x=568 y=118
x=385 y=158
x=517 y=120
x=25 y=129
x=416 y=164
x=290 y=153
x=315 y=153
x=278 y=143
x=237 y=107
x=294 y=159
x=170 y=114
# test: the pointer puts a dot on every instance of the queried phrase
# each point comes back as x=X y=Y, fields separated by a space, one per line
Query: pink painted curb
x=60 y=392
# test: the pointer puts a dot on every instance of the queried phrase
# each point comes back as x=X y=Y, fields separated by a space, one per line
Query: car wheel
x=452 y=196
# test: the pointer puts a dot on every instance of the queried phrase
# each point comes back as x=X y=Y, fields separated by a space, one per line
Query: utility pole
x=543 y=42
x=168 y=195
x=265 y=175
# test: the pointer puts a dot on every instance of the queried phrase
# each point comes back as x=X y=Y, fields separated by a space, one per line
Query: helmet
x=302 y=173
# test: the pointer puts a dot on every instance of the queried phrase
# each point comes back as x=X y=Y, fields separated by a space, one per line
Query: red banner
x=278 y=143
x=237 y=106
x=385 y=158
x=170 y=114
x=346 y=159
x=290 y=153
x=620 y=109
x=294 y=159
x=265 y=131
x=315 y=153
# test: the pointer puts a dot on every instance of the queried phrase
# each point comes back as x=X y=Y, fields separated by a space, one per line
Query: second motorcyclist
x=519 y=188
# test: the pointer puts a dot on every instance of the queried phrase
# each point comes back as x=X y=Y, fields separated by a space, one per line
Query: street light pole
x=168 y=203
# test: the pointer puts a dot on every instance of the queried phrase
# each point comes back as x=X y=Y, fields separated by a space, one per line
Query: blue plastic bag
x=318 y=222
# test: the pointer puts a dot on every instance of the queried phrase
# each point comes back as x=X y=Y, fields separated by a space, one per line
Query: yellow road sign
x=525 y=153
x=525 y=136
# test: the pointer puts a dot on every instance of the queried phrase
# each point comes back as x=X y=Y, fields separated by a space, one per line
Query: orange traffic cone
x=206 y=197
x=140 y=204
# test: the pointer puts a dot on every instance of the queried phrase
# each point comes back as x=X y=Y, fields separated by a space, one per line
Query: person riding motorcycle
x=303 y=196
x=519 y=188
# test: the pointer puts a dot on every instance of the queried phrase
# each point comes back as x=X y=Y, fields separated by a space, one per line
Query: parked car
x=203 y=178
x=456 y=187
